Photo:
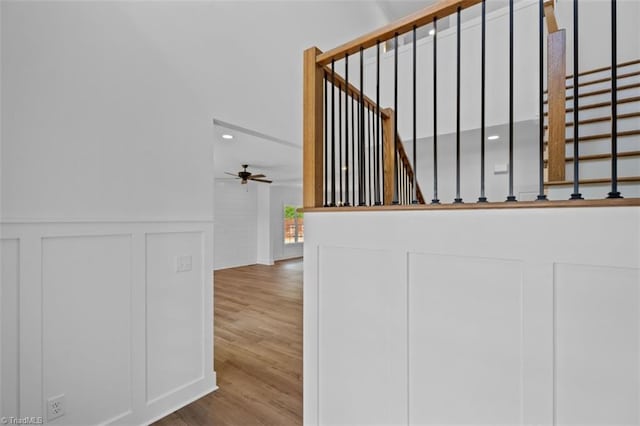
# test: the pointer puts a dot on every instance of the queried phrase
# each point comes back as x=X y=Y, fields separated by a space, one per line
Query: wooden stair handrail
x=422 y=17
x=340 y=83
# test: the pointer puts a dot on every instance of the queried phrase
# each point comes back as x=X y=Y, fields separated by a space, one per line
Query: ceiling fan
x=247 y=176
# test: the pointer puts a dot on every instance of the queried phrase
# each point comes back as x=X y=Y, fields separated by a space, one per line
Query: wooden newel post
x=557 y=97
x=389 y=155
x=313 y=131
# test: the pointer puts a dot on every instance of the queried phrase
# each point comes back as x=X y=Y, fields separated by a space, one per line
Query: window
x=293 y=225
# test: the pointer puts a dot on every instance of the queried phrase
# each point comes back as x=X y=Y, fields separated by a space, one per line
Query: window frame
x=296 y=231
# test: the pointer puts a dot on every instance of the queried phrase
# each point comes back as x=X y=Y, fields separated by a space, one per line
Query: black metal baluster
x=361 y=167
x=346 y=129
x=326 y=140
x=353 y=147
x=378 y=127
x=402 y=194
x=333 y=134
x=458 y=199
x=541 y=194
x=396 y=175
x=614 y=102
x=435 y=199
x=395 y=111
x=576 y=132
x=401 y=175
x=370 y=153
x=511 y=197
x=405 y=175
x=415 y=165
x=400 y=181
x=407 y=185
x=340 y=150
x=483 y=198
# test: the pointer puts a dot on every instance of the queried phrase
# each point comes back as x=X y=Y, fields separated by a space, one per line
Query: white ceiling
x=396 y=9
x=280 y=160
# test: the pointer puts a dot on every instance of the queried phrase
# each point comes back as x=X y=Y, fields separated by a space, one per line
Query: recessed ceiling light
x=432 y=32
x=493 y=137
x=227 y=136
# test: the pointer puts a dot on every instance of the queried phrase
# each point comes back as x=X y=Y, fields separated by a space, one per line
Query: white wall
x=281 y=196
x=264 y=243
x=236 y=224
x=107 y=178
x=249 y=223
x=525 y=168
x=595 y=32
x=521 y=316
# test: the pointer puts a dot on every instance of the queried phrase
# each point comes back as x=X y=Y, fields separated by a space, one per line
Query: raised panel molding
x=362 y=343
x=87 y=325
x=82 y=306
x=596 y=341
x=465 y=336
x=9 y=327
x=175 y=353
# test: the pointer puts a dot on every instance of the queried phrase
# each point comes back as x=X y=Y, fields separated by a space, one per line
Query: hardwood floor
x=257 y=352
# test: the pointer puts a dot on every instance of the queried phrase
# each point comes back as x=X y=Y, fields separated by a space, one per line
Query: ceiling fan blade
x=258 y=176
x=231 y=174
x=261 y=180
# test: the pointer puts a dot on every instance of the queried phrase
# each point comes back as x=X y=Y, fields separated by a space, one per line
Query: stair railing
x=354 y=155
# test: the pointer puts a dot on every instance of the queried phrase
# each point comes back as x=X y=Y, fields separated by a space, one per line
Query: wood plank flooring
x=257 y=352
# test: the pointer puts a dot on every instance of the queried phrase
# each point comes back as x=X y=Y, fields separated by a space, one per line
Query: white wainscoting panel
x=9 y=326
x=175 y=313
x=597 y=338
x=96 y=311
x=465 y=333
x=86 y=293
x=491 y=317
x=362 y=340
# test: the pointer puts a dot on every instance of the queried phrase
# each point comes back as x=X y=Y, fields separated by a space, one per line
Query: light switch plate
x=183 y=263
x=500 y=169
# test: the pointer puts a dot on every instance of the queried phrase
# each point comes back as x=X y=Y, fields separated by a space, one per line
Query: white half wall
x=510 y=317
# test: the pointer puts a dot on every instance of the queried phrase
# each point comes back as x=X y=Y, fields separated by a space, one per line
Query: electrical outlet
x=55 y=407
x=183 y=263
